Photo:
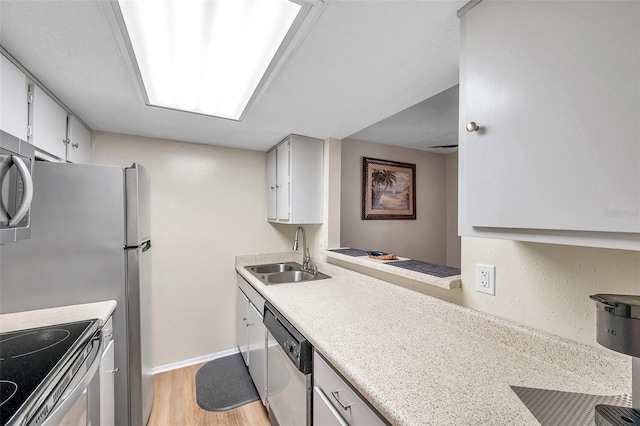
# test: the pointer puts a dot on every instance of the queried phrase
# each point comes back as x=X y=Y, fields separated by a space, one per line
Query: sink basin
x=288 y=277
x=281 y=273
x=275 y=267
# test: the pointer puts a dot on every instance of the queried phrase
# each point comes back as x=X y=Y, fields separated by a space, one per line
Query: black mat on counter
x=350 y=252
x=224 y=383
x=552 y=408
x=439 y=271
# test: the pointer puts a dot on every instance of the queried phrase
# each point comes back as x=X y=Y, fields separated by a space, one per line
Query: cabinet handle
x=75 y=145
x=66 y=141
x=472 y=127
x=273 y=187
x=114 y=371
x=337 y=398
x=249 y=324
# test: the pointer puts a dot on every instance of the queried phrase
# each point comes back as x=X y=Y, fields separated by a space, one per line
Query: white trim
x=193 y=361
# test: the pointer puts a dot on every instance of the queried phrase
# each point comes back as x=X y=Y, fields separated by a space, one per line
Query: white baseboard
x=193 y=361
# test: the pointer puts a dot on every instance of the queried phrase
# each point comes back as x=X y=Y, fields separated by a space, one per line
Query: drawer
x=346 y=401
x=323 y=412
x=251 y=293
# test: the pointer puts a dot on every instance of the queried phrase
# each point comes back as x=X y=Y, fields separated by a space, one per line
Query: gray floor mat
x=224 y=383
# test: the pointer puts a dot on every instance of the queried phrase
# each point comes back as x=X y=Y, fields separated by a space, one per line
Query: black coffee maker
x=618 y=328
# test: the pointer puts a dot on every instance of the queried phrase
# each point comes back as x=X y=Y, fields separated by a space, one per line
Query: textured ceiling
x=361 y=62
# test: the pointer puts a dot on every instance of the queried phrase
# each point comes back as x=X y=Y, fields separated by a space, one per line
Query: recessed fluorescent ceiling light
x=205 y=56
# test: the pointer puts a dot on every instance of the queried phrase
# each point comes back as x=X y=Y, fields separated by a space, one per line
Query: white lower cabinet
x=257 y=351
x=335 y=402
x=252 y=338
x=241 y=325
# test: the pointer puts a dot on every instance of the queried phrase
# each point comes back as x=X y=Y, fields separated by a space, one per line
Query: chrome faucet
x=306 y=257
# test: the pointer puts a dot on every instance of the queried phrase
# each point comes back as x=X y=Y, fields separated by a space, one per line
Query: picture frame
x=388 y=189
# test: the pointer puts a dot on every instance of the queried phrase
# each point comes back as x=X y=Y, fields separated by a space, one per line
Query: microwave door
x=19 y=189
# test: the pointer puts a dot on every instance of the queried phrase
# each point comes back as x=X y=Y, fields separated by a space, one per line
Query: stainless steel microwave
x=16 y=188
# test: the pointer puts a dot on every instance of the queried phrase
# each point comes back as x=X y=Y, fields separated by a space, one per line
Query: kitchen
x=540 y=285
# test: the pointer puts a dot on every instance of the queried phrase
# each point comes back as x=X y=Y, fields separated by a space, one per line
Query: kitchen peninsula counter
x=420 y=360
x=60 y=315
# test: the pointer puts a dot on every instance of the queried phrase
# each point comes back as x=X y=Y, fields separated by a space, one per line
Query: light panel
x=205 y=56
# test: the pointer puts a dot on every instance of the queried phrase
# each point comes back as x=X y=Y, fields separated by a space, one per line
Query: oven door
x=76 y=405
x=16 y=188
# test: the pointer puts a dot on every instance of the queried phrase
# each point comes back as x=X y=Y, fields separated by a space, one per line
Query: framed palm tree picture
x=388 y=189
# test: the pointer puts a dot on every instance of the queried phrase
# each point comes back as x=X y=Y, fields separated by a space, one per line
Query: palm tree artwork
x=381 y=180
x=388 y=189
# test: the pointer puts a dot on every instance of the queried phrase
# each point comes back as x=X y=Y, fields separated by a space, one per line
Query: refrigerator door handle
x=27 y=182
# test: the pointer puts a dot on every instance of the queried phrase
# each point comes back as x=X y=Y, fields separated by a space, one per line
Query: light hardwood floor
x=175 y=404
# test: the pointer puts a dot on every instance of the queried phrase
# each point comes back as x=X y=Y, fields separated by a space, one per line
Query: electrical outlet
x=486 y=279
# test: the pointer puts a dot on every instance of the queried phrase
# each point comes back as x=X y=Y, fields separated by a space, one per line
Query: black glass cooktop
x=30 y=358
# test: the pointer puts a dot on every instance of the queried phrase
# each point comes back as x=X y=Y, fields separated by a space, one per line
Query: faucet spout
x=306 y=256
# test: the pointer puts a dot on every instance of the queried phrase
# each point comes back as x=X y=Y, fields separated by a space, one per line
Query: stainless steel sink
x=275 y=267
x=281 y=273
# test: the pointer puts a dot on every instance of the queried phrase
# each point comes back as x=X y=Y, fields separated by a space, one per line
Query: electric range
x=37 y=365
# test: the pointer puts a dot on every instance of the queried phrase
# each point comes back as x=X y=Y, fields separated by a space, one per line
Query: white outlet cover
x=486 y=279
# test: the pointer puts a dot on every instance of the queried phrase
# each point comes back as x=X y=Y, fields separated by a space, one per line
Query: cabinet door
x=554 y=88
x=257 y=352
x=107 y=387
x=283 y=191
x=13 y=102
x=241 y=325
x=79 y=147
x=49 y=124
x=272 y=185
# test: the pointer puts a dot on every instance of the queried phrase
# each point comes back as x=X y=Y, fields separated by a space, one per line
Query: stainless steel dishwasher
x=289 y=369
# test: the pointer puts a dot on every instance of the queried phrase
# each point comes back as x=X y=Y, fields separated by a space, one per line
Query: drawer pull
x=337 y=398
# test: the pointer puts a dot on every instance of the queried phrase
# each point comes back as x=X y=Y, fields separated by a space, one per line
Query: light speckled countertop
x=64 y=314
x=423 y=361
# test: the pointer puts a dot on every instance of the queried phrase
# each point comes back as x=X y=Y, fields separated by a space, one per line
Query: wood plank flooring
x=175 y=404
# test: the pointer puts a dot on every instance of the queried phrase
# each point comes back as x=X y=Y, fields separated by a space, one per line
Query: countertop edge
x=59 y=315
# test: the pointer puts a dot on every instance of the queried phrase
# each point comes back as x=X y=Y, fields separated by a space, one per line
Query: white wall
x=208 y=205
x=547 y=286
x=424 y=238
x=454 y=242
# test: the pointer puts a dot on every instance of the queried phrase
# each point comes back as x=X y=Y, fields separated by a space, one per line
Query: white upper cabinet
x=554 y=89
x=79 y=146
x=13 y=101
x=49 y=124
x=294 y=180
x=283 y=181
x=272 y=184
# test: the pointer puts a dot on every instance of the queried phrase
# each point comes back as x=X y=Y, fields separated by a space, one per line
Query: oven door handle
x=27 y=182
x=62 y=407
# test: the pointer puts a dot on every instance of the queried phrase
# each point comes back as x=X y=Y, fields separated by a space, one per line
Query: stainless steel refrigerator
x=90 y=241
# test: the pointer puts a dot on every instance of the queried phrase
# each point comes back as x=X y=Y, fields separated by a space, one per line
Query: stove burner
x=32 y=342
x=7 y=390
x=34 y=362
